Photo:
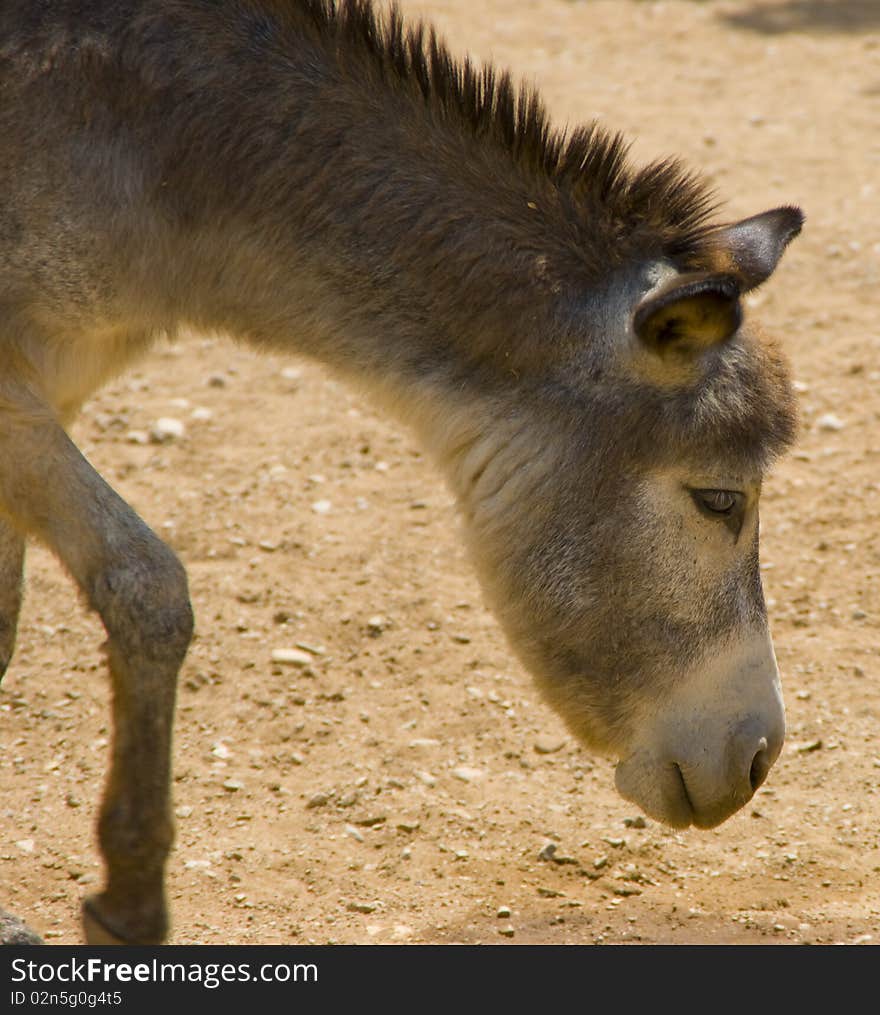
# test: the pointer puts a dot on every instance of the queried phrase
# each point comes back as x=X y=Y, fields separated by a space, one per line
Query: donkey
x=563 y=331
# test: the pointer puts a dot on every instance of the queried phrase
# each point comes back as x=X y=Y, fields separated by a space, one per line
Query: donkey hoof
x=98 y=931
x=95 y=931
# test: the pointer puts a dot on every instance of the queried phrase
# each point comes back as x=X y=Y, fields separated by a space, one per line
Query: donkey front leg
x=11 y=566
x=139 y=589
x=12 y=930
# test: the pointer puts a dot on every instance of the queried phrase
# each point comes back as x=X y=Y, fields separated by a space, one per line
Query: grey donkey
x=564 y=333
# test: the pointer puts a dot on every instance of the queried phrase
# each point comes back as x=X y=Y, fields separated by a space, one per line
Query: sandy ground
x=326 y=802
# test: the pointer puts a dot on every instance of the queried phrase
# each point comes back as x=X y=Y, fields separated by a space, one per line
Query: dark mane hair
x=588 y=163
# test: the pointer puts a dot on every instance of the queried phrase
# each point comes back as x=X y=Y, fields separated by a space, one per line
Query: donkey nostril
x=760 y=766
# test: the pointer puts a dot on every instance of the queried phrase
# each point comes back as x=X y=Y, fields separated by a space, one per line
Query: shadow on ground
x=818 y=16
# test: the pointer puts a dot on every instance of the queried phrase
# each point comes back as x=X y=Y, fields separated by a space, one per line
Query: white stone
x=291 y=657
x=166 y=429
x=468 y=774
x=830 y=422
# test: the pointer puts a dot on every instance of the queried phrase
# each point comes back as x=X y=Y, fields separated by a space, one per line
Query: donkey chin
x=701 y=757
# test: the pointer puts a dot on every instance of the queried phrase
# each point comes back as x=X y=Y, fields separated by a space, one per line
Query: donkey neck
x=315 y=181
x=342 y=187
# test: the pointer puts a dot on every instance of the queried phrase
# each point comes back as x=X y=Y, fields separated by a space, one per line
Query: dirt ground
x=402 y=785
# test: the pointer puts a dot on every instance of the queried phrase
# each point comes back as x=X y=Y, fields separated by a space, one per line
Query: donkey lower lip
x=658 y=788
x=683 y=811
x=662 y=791
x=684 y=791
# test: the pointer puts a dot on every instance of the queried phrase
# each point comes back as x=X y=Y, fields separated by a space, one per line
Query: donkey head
x=620 y=547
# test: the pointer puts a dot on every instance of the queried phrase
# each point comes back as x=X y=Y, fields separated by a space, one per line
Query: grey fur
x=316 y=180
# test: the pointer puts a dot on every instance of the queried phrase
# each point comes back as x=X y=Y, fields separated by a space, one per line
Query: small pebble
x=467 y=774
x=549 y=745
x=830 y=422
x=370 y=820
x=376 y=625
x=166 y=429
x=637 y=822
x=808 y=746
x=503 y=913
x=362 y=907
x=291 y=657
x=315 y=650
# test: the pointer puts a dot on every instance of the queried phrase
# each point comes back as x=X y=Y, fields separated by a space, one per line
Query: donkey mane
x=587 y=163
x=596 y=209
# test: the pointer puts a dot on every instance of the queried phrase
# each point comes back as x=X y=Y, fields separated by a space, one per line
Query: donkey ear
x=689 y=313
x=756 y=244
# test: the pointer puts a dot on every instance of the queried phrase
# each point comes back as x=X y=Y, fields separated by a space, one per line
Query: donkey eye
x=717 y=502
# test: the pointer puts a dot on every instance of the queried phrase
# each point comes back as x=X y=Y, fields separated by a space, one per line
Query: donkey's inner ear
x=689 y=313
x=756 y=244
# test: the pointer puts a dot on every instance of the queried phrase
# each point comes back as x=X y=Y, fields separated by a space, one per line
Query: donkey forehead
x=733 y=421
